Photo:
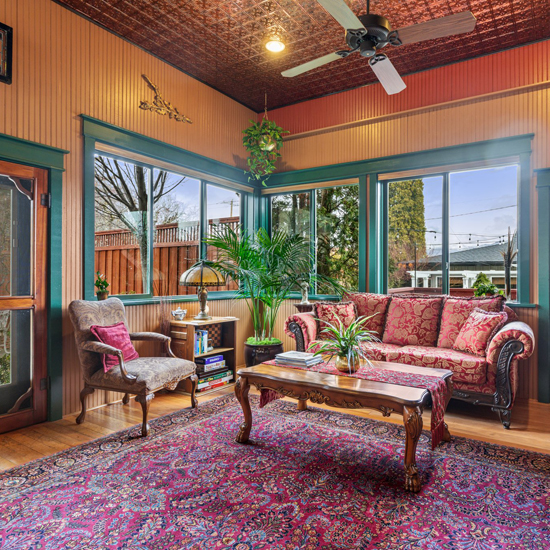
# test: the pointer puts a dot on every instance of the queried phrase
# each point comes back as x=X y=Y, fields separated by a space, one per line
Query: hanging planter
x=263 y=140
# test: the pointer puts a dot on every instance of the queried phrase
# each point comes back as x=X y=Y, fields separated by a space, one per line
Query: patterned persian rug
x=316 y=479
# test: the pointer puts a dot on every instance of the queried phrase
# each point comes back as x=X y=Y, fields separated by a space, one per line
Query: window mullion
x=445 y=259
x=203 y=224
x=313 y=233
x=151 y=232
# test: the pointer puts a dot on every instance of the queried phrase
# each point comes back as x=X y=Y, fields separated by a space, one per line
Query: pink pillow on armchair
x=330 y=312
x=118 y=337
x=477 y=331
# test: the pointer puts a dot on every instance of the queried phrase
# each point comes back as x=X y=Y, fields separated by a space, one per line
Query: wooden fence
x=175 y=249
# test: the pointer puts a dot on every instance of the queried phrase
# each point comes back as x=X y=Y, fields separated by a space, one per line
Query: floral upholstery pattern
x=308 y=324
x=153 y=373
x=412 y=321
x=457 y=310
x=370 y=305
x=477 y=331
x=465 y=366
x=512 y=315
x=331 y=312
x=511 y=331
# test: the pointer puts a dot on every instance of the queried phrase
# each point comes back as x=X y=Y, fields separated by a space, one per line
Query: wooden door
x=23 y=317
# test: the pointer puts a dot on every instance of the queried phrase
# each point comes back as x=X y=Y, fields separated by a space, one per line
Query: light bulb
x=275 y=45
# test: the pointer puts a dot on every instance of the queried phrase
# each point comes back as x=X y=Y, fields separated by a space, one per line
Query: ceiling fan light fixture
x=275 y=44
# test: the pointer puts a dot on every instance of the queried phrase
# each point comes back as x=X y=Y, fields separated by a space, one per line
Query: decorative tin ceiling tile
x=222 y=42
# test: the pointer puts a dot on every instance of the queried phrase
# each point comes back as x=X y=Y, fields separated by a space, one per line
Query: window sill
x=136 y=300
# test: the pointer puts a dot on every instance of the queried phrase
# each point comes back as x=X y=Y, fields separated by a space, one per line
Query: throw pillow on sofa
x=412 y=321
x=330 y=312
x=370 y=305
x=117 y=336
x=457 y=310
x=478 y=330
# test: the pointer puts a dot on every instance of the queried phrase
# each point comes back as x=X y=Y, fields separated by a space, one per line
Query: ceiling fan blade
x=387 y=74
x=304 y=67
x=342 y=13
x=438 y=28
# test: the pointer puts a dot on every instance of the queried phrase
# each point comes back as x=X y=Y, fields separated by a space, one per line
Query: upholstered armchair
x=141 y=377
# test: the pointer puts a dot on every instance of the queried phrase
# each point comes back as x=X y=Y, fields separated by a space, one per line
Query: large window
x=329 y=218
x=448 y=231
x=149 y=226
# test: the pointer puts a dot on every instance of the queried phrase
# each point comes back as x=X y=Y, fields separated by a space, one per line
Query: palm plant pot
x=256 y=354
x=102 y=294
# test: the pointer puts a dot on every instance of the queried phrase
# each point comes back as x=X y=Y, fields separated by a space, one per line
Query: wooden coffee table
x=347 y=393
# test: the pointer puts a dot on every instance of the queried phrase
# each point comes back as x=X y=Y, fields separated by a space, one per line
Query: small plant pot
x=102 y=294
x=256 y=354
x=343 y=365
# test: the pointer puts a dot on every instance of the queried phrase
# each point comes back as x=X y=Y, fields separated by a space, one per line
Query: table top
x=346 y=384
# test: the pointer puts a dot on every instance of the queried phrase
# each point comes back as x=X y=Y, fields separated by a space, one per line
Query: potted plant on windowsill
x=266 y=269
x=101 y=285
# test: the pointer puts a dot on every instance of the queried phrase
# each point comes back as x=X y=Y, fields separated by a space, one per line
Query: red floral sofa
x=480 y=339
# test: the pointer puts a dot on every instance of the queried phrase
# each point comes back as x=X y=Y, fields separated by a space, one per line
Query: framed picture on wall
x=6 y=45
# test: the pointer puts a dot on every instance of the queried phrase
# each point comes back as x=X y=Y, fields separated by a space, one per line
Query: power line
x=477 y=212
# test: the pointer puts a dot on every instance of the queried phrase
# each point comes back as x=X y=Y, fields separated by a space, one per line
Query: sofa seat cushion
x=333 y=313
x=412 y=321
x=465 y=366
x=153 y=373
x=457 y=310
x=374 y=306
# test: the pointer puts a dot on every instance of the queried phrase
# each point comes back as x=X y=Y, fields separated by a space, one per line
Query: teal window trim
x=96 y=131
x=51 y=159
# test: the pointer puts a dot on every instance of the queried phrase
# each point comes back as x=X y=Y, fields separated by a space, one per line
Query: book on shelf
x=298 y=359
x=210 y=359
x=201 y=342
x=211 y=367
x=214 y=387
x=203 y=386
x=208 y=377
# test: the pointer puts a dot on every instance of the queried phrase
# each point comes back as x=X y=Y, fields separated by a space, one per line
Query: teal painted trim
x=212 y=297
x=203 y=228
x=313 y=233
x=520 y=305
x=31 y=153
x=373 y=232
x=138 y=143
x=363 y=233
x=543 y=188
x=55 y=306
x=524 y=229
x=88 y=214
x=445 y=248
x=457 y=154
x=383 y=232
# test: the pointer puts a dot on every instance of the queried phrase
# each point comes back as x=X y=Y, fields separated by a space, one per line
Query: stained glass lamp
x=202 y=276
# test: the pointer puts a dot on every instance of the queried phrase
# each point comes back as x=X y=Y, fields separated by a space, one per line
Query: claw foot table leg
x=412 y=418
x=242 y=388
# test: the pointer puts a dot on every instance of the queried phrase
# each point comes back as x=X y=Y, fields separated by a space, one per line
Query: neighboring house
x=465 y=265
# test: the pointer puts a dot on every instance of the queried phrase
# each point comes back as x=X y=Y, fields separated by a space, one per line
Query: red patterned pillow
x=478 y=330
x=374 y=306
x=412 y=321
x=118 y=337
x=457 y=310
x=330 y=312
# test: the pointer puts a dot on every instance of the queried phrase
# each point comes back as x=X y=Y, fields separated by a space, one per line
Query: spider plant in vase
x=347 y=344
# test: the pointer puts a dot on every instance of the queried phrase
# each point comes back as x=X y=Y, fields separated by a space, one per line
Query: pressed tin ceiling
x=222 y=42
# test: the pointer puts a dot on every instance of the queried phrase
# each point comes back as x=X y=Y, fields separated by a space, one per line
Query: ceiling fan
x=369 y=33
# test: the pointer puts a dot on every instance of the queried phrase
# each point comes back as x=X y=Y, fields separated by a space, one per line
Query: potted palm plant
x=346 y=343
x=266 y=268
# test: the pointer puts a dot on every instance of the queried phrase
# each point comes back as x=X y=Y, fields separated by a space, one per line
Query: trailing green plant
x=5 y=369
x=266 y=268
x=484 y=289
x=347 y=341
x=101 y=283
x=263 y=140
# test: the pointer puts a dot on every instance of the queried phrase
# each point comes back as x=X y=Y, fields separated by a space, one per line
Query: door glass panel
x=16 y=353
x=415 y=214
x=16 y=229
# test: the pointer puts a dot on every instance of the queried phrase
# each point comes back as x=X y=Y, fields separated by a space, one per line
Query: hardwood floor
x=530 y=427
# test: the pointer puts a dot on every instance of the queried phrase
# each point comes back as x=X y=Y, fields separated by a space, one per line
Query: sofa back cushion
x=457 y=310
x=412 y=321
x=330 y=312
x=374 y=306
x=477 y=331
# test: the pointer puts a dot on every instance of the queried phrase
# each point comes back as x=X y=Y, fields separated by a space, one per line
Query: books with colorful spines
x=215 y=383
x=209 y=368
x=209 y=359
x=215 y=386
x=206 y=374
x=208 y=377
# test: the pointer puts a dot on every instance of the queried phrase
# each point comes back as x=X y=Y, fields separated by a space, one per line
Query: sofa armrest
x=515 y=331
x=303 y=328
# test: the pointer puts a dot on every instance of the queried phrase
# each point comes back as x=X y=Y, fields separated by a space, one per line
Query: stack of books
x=212 y=373
x=297 y=359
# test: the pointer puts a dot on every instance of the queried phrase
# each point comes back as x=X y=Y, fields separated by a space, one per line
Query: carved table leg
x=302 y=405
x=412 y=418
x=83 y=398
x=242 y=388
x=194 y=383
x=144 y=401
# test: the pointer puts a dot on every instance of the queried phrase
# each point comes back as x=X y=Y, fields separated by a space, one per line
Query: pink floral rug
x=316 y=479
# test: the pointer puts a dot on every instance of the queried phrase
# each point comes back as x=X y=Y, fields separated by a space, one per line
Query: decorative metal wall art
x=6 y=45
x=160 y=105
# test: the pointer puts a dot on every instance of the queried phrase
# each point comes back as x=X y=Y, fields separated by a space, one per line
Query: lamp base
x=203 y=313
x=202 y=316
